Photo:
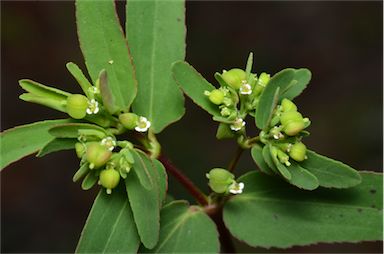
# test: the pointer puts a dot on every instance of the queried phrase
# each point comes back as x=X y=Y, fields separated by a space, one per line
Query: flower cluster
x=98 y=158
x=285 y=133
x=96 y=146
x=237 y=96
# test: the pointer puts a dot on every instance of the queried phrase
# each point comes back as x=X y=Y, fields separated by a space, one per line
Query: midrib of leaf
x=176 y=227
x=109 y=53
x=114 y=225
x=144 y=167
x=151 y=82
x=246 y=197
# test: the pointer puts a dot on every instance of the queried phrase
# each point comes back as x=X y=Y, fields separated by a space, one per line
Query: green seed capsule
x=290 y=116
x=288 y=105
x=97 y=154
x=109 y=179
x=234 y=77
x=292 y=128
x=80 y=149
x=298 y=151
x=129 y=120
x=216 y=96
x=220 y=179
x=77 y=105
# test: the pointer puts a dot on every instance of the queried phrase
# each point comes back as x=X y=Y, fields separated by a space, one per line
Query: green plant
x=271 y=151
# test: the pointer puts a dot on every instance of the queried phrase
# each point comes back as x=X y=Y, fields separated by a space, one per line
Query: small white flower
x=142 y=124
x=94 y=90
x=93 y=107
x=236 y=188
x=237 y=125
x=245 y=89
x=225 y=111
x=109 y=142
x=110 y=61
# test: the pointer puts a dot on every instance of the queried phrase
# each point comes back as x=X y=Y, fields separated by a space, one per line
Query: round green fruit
x=234 y=78
x=288 y=105
x=109 y=179
x=220 y=179
x=298 y=151
x=216 y=96
x=97 y=154
x=77 y=105
x=129 y=120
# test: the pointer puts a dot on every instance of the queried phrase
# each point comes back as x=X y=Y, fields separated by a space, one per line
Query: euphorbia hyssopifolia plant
x=297 y=197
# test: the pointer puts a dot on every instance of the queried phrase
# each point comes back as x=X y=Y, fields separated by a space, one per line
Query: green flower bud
x=129 y=120
x=292 y=128
x=283 y=157
x=77 y=105
x=216 y=96
x=97 y=154
x=263 y=79
x=290 y=116
x=220 y=179
x=80 y=149
x=109 y=179
x=298 y=151
x=288 y=105
x=234 y=78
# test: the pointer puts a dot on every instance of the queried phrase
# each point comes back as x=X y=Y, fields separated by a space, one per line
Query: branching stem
x=184 y=180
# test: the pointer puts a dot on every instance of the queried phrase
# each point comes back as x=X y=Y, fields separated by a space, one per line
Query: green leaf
x=268 y=159
x=78 y=74
x=329 y=172
x=104 y=47
x=43 y=95
x=156 y=37
x=42 y=90
x=271 y=213
x=290 y=83
x=265 y=108
x=71 y=130
x=145 y=202
x=83 y=170
x=257 y=156
x=186 y=228
x=302 y=178
x=194 y=85
x=106 y=93
x=143 y=167
x=21 y=141
x=110 y=227
x=90 y=180
x=57 y=144
x=248 y=68
x=162 y=180
x=300 y=81
x=224 y=131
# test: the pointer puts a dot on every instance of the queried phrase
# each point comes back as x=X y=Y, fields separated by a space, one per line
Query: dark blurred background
x=42 y=210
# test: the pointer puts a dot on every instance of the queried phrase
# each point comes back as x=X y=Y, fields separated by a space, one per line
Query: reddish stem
x=184 y=180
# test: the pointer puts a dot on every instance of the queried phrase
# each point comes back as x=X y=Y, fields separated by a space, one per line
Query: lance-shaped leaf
x=329 y=172
x=104 y=47
x=156 y=37
x=272 y=213
x=57 y=144
x=78 y=74
x=290 y=82
x=145 y=202
x=194 y=85
x=110 y=227
x=43 y=95
x=21 y=141
x=71 y=130
x=186 y=228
